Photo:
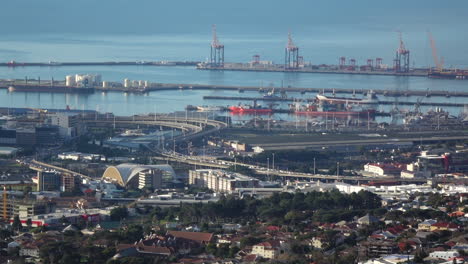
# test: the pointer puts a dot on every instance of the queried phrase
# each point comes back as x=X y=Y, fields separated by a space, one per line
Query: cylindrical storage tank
x=134 y=83
x=70 y=80
x=146 y=84
x=126 y=83
x=141 y=83
x=105 y=84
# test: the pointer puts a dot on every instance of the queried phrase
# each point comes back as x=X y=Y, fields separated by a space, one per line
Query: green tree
x=29 y=223
x=118 y=213
x=17 y=223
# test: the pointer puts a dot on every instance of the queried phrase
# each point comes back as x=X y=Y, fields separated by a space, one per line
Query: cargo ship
x=49 y=89
x=330 y=109
x=250 y=109
x=371 y=98
x=450 y=74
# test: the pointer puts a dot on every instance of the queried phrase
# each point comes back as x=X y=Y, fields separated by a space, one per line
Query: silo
x=70 y=80
x=147 y=84
x=126 y=83
x=105 y=84
x=141 y=83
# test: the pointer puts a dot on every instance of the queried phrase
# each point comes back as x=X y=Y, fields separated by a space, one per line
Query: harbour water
x=323 y=37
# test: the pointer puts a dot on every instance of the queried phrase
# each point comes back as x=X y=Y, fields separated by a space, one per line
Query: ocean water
x=124 y=30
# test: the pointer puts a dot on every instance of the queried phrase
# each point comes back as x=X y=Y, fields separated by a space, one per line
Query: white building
x=221 y=181
x=444 y=254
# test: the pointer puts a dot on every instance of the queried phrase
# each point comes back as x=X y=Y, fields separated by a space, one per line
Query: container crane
x=217 y=50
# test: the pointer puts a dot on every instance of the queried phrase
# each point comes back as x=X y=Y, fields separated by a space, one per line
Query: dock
x=33 y=85
x=105 y=63
x=324 y=69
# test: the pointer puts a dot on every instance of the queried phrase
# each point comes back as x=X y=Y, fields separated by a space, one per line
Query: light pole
x=268 y=168
x=314 y=166
x=273 y=162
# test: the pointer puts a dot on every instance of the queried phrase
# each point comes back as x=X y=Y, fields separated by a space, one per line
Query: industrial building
x=221 y=181
x=137 y=175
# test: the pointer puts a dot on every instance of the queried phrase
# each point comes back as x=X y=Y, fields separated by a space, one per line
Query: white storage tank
x=126 y=83
x=70 y=80
x=147 y=84
x=105 y=84
x=134 y=83
x=141 y=83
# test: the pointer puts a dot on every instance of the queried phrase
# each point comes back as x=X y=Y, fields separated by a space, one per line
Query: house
x=29 y=250
x=318 y=242
x=444 y=254
x=444 y=226
x=368 y=220
x=268 y=250
x=199 y=237
x=426 y=225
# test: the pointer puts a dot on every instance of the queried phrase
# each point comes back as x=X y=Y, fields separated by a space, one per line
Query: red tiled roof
x=195 y=236
x=446 y=225
x=273 y=228
x=153 y=249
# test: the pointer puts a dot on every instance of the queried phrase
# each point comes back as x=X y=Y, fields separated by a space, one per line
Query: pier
x=330 y=69
x=34 y=85
x=242 y=98
x=105 y=63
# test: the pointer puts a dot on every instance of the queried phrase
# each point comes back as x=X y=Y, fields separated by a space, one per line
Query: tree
x=29 y=223
x=118 y=213
x=17 y=223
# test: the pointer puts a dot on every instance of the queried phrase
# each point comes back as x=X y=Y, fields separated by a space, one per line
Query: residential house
x=268 y=250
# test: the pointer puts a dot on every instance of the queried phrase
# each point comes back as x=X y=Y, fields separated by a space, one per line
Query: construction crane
x=217 y=50
x=439 y=64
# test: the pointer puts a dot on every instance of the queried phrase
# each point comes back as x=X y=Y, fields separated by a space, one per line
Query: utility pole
x=337 y=168
x=268 y=168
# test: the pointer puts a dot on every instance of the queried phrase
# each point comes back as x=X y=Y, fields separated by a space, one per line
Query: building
x=26 y=209
x=221 y=181
x=128 y=174
x=47 y=135
x=8 y=151
x=69 y=124
x=7 y=137
x=48 y=181
x=444 y=254
x=382 y=169
x=426 y=225
x=150 y=179
x=268 y=250
x=375 y=248
x=67 y=183
x=26 y=136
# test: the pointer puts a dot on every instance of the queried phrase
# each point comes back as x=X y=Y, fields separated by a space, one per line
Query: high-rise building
x=67 y=183
x=47 y=181
x=150 y=179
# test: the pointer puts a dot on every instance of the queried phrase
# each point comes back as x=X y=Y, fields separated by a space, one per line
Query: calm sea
x=123 y=30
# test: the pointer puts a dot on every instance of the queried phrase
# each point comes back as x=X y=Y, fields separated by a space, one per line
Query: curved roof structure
x=124 y=173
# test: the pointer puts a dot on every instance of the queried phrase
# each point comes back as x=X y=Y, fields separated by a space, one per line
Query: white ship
x=208 y=108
